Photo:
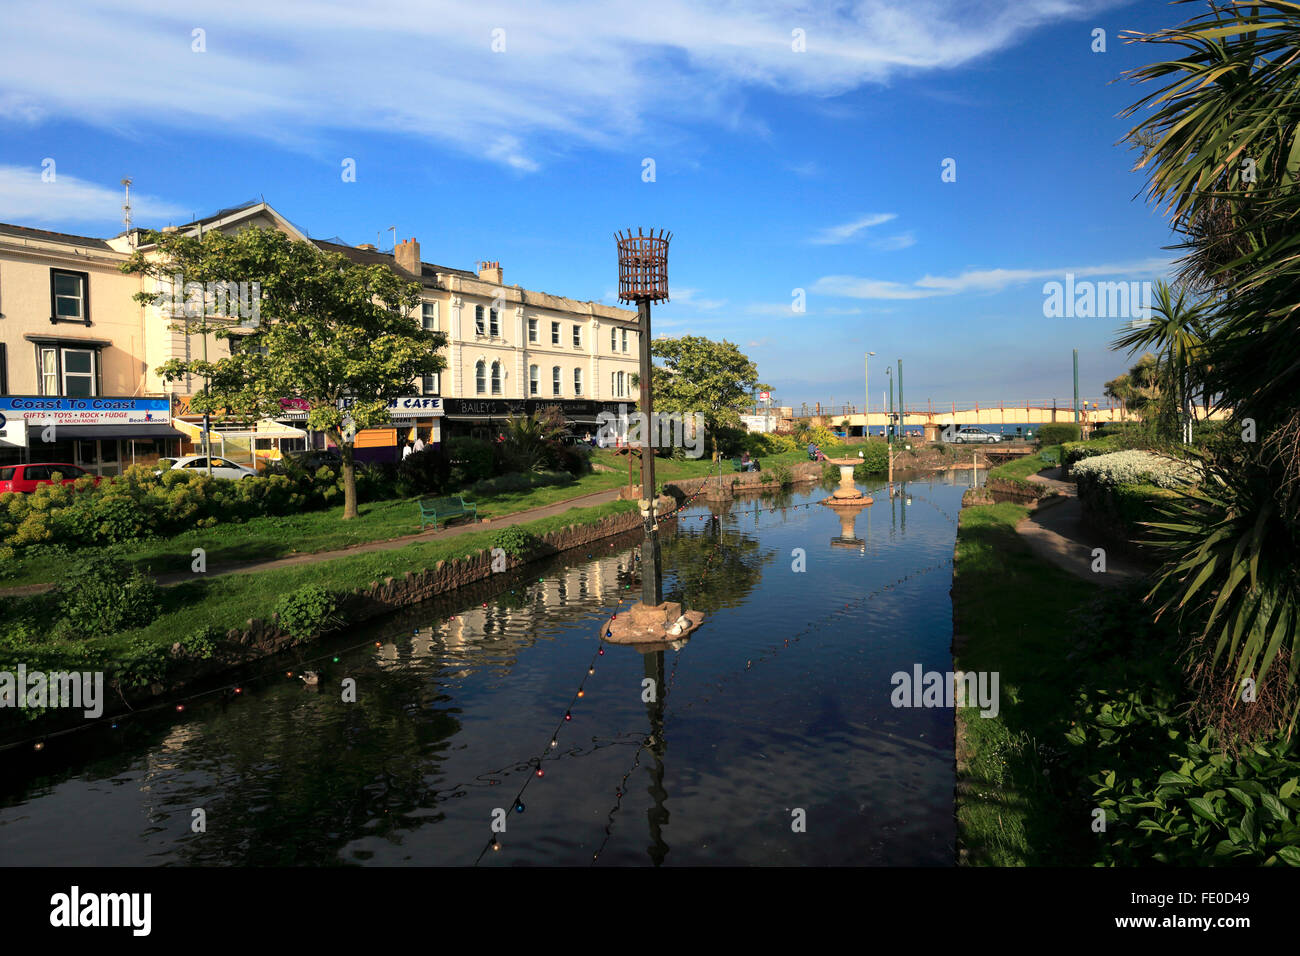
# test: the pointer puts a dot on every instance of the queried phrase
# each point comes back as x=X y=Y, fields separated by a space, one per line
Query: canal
x=770 y=738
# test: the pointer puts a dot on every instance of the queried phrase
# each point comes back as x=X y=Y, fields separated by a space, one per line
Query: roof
x=44 y=235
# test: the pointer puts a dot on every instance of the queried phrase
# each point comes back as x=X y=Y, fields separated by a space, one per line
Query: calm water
x=780 y=702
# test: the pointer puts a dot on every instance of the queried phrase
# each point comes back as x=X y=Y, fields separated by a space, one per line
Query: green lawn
x=231 y=600
x=1018 y=469
x=1014 y=611
x=264 y=539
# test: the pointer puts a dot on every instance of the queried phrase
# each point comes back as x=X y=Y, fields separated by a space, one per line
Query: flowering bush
x=1134 y=467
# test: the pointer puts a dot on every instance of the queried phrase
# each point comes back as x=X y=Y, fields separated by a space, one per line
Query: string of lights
x=236 y=690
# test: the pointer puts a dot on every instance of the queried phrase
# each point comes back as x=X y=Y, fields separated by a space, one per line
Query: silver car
x=221 y=467
x=970 y=434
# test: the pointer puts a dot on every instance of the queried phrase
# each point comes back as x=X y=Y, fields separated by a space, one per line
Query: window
x=613 y=338
x=577 y=336
x=66 y=371
x=429 y=316
x=480 y=377
x=532 y=330
x=69 y=296
x=621 y=384
x=613 y=384
x=577 y=381
x=430 y=384
x=495 y=323
x=555 y=381
x=4 y=369
x=555 y=333
x=533 y=384
x=625 y=340
x=78 y=373
x=496 y=378
x=478 y=319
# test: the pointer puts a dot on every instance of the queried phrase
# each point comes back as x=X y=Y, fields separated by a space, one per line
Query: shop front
x=487 y=418
x=103 y=434
x=414 y=417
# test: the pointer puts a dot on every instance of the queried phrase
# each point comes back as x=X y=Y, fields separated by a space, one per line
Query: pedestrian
x=406 y=450
x=419 y=444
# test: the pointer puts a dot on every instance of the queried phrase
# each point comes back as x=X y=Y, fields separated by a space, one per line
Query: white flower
x=1136 y=467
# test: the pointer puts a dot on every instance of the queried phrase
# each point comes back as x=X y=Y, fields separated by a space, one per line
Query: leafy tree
x=714 y=379
x=332 y=332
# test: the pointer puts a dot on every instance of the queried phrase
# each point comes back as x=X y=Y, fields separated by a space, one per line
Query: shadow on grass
x=1022 y=790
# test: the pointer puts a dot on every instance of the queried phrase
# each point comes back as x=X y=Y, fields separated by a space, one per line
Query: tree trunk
x=349 y=476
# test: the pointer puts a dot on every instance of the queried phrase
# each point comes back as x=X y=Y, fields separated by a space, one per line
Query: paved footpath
x=1055 y=531
x=391 y=544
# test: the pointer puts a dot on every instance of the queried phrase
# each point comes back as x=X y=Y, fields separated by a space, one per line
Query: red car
x=25 y=478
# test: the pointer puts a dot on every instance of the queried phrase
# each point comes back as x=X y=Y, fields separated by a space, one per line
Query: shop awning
x=117 y=431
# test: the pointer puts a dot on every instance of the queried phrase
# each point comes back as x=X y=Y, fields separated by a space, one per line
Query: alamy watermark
x=1097 y=300
x=662 y=430
x=240 y=301
x=946 y=689
x=37 y=689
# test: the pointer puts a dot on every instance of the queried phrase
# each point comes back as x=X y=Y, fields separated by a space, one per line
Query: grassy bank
x=1018 y=470
x=1093 y=728
x=1009 y=607
x=265 y=539
x=229 y=601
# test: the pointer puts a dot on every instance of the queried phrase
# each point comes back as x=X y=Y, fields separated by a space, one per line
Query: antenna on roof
x=126 y=205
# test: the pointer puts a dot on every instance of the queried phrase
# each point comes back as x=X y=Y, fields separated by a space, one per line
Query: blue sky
x=775 y=169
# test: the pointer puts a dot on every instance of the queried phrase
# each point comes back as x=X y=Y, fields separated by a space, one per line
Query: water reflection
x=458 y=700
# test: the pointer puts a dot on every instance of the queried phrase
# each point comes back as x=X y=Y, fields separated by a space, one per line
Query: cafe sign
x=413 y=406
x=44 y=410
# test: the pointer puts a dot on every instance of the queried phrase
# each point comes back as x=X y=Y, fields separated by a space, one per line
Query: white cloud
x=692 y=298
x=308 y=73
x=834 y=235
x=26 y=198
x=903 y=240
x=982 y=280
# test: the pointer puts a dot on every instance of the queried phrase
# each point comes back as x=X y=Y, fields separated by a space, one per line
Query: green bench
x=1049 y=457
x=441 y=509
x=738 y=465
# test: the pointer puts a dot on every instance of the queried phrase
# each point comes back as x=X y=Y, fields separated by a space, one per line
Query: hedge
x=1056 y=433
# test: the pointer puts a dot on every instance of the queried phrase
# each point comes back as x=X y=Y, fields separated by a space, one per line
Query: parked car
x=25 y=478
x=970 y=434
x=221 y=467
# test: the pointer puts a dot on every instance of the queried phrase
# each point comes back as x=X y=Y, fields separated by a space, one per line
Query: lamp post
x=866 y=408
x=643 y=279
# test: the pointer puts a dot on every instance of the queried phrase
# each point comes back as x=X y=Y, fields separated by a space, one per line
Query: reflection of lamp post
x=643 y=278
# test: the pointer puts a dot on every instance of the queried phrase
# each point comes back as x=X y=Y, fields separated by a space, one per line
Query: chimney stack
x=407 y=254
x=490 y=272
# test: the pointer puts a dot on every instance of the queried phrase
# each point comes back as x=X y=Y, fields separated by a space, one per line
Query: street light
x=866 y=409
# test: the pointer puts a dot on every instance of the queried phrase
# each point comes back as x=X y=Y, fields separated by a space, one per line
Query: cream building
x=70 y=330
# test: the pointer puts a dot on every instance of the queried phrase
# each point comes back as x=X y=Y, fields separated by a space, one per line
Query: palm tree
x=1176 y=331
x=1222 y=151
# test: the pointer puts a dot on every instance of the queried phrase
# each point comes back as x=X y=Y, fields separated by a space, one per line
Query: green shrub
x=472 y=459
x=1057 y=432
x=307 y=611
x=102 y=597
x=516 y=542
x=783 y=475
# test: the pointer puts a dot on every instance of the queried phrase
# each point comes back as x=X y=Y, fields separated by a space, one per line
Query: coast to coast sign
x=41 y=410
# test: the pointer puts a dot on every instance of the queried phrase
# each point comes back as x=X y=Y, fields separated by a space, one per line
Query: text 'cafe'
x=103 y=434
